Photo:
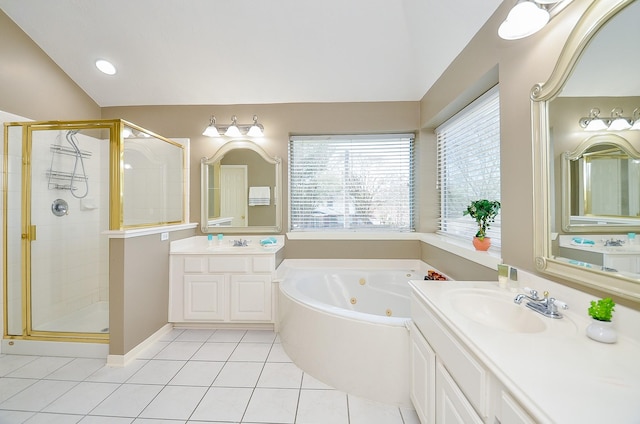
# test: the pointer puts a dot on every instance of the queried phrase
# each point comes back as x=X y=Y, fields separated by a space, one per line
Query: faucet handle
x=560 y=304
x=531 y=292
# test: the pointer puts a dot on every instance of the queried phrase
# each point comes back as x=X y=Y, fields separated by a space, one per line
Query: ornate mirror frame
x=598 y=13
x=204 y=195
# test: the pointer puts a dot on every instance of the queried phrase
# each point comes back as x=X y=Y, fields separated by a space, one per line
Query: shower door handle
x=31 y=235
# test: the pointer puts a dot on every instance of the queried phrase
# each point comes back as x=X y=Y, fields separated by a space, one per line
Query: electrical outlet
x=164 y=236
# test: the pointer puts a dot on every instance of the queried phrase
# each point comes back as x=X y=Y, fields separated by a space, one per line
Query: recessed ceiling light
x=105 y=66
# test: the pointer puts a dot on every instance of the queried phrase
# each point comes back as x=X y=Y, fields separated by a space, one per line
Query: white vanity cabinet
x=449 y=385
x=622 y=262
x=230 y=286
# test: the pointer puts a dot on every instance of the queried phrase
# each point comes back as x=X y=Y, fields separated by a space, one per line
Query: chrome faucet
x=240 y=243
x=547 y=306
x=613 y=242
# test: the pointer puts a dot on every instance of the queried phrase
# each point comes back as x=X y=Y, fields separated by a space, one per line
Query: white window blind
x=469 y=165
x=347 y=182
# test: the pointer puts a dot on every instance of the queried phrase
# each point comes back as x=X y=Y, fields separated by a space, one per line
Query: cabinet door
x=204 y=297
x=250 y=298
x=423 y=377
x=628 y=263
x=452 y=407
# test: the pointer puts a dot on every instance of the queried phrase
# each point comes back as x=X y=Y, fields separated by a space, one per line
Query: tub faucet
x=547 y=306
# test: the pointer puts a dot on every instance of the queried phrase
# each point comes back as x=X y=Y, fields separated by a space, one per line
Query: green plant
x=484 y=212
x=602 y=310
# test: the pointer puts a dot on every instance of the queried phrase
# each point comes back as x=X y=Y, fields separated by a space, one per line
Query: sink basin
x=496 y=310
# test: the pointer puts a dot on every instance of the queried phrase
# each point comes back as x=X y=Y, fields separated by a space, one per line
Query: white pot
x=602 y=331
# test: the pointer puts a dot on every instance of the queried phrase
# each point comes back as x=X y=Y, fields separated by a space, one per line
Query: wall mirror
x=593 y=71
x=241 y=190
x=601 y=186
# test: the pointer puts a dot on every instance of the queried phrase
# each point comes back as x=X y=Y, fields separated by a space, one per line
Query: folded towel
x=579 y=241
x=269 y=241
x=259 y=196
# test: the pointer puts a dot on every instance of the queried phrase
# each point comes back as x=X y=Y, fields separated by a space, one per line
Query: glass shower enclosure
x=65 y=186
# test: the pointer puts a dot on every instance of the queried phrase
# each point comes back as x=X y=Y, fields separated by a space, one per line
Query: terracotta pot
x=483 y=244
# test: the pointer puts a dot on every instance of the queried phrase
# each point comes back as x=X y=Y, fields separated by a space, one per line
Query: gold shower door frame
x=29 y=233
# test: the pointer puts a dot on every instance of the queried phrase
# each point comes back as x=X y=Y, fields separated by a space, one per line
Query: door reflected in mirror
x=241 y=190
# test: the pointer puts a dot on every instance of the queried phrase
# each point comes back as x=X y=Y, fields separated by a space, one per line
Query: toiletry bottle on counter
x=631 y=239
x=513 y=279
x=503 y=275
x=210 y=239
x=220 y=238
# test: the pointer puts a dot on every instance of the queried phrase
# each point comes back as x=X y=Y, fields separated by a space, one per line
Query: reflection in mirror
x=601 y=186
x=594 y=195
x=241 y=190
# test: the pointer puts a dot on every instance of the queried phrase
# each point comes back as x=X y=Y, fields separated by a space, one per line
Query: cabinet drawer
x=264 y=263
x=231 y=263
x=468 y=373
x=511 y=412
x=194 y=264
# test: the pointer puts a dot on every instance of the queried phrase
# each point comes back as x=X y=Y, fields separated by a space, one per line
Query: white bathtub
x=333 y=323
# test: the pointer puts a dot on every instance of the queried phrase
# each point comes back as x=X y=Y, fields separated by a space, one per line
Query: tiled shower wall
x=70 y=255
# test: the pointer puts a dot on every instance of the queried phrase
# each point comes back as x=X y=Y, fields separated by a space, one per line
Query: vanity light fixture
x=211 y=130
x=255 y=130
x=619 y=122
x=593 y=122
x=526 y=17
x=234 y=129
x=636 y=119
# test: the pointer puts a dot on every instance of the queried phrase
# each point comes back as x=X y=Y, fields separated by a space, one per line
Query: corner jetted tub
x=344 y=322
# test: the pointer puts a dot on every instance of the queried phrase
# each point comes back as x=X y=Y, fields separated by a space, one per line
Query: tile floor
x=190 y=376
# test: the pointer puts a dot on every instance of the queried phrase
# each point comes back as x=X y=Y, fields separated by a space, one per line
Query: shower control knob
x=60 y=207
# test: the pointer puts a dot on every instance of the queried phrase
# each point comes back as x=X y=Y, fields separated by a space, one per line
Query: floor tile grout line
x=295 y=416
x=348 y=409
x=253 y=390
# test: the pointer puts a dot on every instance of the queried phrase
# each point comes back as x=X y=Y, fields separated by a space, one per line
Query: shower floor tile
x=190 y=376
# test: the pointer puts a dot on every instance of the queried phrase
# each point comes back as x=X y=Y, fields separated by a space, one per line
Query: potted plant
x=484 y=212
x=601 y=328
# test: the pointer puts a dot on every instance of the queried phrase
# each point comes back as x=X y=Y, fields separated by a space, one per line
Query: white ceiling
x=177 y=52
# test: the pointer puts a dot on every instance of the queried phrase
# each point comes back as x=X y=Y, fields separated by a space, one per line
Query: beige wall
x=32 y=85
x=520 y=65
x=138 y=288
x=281 y=121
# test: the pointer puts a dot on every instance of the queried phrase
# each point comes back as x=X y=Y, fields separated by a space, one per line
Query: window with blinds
x=469 y=165
x=355 y=183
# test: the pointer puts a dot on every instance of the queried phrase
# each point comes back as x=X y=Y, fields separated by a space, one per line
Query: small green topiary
x=602 y=310
x=484 y=212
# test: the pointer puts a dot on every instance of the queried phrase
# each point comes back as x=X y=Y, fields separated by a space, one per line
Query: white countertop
x=598 y=245
x=200 y=245
x=559 y=374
